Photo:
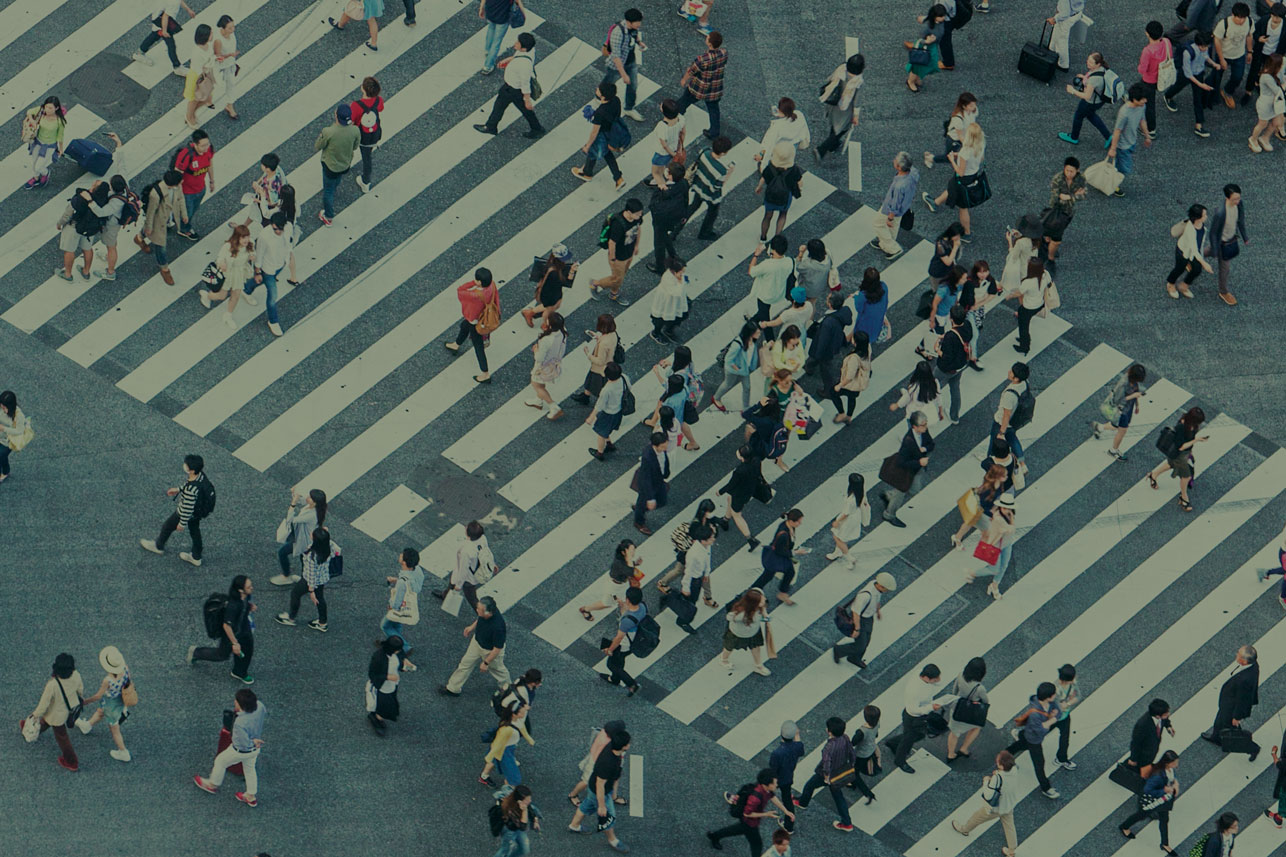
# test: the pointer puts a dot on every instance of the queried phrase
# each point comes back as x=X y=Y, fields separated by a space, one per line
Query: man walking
x=498 y=14
x=598 y=797
x=917 y=705
x=486 y=650
x=897 y=202
x=520 y=70
x=247 y=740
x=195 y=499
x=1034 y=724
x=825 y=348
x=711 y=173
x=913 y=460
x=1145 y=739
x=1005 y=422
x=272 y=254
x=753 y=809
x=196 y=162
x=838 y=757
x=865 y=609
x=1227 y=224
x=1131 y=119
x=1237 y=698
x=782 y=761
x=623 y=45
x=703 y=81
x=622 y=247
x=236 y=632
x=409 y=580
x=337 y=143
x=650 y=480
x=632 y=612
x=669 y=207
x=953 y=356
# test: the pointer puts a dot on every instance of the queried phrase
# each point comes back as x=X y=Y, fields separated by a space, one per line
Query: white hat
x=1007 y=501
x=111 y=660
x=886 y=580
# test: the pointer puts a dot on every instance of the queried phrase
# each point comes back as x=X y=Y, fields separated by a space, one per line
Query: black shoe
x=609 y=447
x=596 y=454
x=895 y=521
x=1210 y=736
x=535 y=135
x=707 y=236
x=440 y=594
x=483 y=129
x=609 y=679
x=1255 y=755
x=688 y=628
x=835 y=654
x=974 y=366
x=655 y=269
x=752 y=544
x=633 y=690
x=580 y=398
x=446 y=691
x=906 y=769
x=714 y=843
x=724 y=522
x=861 y=664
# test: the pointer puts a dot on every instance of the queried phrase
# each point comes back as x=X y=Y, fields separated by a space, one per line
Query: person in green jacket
x=337 y=143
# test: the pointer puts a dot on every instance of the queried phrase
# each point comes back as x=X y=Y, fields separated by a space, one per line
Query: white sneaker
x=282 y=579
x=120 y=755
x=228 y=319
x=284 y=619
x=205 y=298
x=834 y=555
x=180 y=71
x=363 y=185
x=83 y=725
x=250 y=299
x=275 y=328
x=632 y=114
x=149 y=545
x=761 y=669
x=189 y=559
x=1052 y=794
x=139 y=56
x=1069 y=765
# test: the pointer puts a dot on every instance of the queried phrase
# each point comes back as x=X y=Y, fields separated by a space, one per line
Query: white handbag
x=1104 y=177
x=31 y=729
x=409 y=612
x=451 y=603
x=283 y=531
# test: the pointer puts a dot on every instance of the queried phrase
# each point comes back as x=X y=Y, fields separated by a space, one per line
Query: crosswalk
x=357 y=398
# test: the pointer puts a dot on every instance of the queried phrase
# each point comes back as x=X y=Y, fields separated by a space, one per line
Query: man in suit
x=654 y=469
x=1145 y=740
x=825 y=349
x=1239 y=694
x=913 y=457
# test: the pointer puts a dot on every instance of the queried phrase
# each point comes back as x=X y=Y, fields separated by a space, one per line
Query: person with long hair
x=765 y=433
x=977 y=291
x=519 y=815
x=316 y=575
x=1268 y=105
x=287 y=207
x=963 y=114
x=13 y=426
x=681 y=538
x=921 y=394
x=1120 y=406
x=47 y=126
x=994 y=482
x=55 y=707
x=669 y=303
x=1160 y=790
x=1188 y=260
x=685 y=405
x=993 y=789
x=748 y=628
x=622 y=574
x=870 y=307
x=788 y=354
x=787 y=126
x=848 y=524
x=967 y=686
x=111 y=692
x=1020 y=252
x=778 y=556
x=739 y=363
x=780 y=182
x=548 y=353
x=237 y=637
x=842 y=113
x=1181 y=460
x=199 y=88
x=747 y=477
x=854 y=377
x=305 y=513
x=560 y=271
x=604 y=340
x=383 y=675
x=235 y=264
x=932 y=30
x=1031 y=300
x=946 y=253
x=967 y=163
x=164 y=24
x=501 y=752
x=999 y=531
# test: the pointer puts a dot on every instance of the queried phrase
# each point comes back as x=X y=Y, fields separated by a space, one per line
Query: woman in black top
x=778 y=556
x=744 y=484
x=946 y=252
x=978 y=289
x=560 y=271
x=601 y=121
x=1185 y=437
x=779 y=182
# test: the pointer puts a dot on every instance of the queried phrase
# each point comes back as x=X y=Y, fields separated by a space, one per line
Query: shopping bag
x=1104 y=177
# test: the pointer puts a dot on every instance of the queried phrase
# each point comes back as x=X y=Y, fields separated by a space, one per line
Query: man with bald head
x=1239 y=694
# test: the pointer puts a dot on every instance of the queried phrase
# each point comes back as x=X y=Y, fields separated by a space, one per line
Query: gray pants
x=896 y=498
x=1225 y=268
x=950 y=380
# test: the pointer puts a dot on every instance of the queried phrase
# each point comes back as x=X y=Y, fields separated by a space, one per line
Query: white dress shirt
x=919 y=696
x=519 y=70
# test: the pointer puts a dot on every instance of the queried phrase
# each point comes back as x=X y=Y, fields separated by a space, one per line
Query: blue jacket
x=1034 y=729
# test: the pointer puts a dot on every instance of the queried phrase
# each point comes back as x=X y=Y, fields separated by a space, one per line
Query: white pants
x=42 y=158
x=887 y=235
x=229 y=76
x=1058 y=41
x=229 y=757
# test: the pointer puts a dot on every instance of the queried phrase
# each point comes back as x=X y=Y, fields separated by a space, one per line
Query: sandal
x=585 y=614
x=620 y=801
x=713 y=605
x=1185 y=505
x=573 y=801
x=1152 y=480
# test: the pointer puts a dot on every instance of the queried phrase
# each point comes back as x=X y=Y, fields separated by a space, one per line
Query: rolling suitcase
x=1037 y=60
x=92 y=157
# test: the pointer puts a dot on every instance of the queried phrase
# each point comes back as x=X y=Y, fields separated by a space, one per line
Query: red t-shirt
x=359 y=108
x=194 y=167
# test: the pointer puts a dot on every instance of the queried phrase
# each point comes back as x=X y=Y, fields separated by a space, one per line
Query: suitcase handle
x=1043 y=43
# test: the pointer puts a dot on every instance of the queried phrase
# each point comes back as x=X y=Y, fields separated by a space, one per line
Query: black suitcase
x=1126 y=777
x=1037 y=60
x=1237 y=740
x=684 y=610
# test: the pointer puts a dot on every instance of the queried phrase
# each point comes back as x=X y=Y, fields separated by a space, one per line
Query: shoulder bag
x=894 y=475
x=969 y=710
x=489 y=320
x=73 y=714
x=997 y=784
x=129 y=694
x=30 y=125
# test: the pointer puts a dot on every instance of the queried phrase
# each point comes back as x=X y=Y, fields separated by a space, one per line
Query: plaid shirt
x=620 y=41
x=316 y=574
x=705 y=75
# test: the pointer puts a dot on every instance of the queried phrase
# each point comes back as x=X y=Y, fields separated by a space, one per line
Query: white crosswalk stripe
x=348 y=393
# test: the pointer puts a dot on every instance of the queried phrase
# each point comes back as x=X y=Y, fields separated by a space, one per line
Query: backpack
x=738 y=808
x=1025 y=410
x=132 y=209
x=1167 y=443
x=498 y=699
x=369 y=125
x=647 y=636
x=212 y=612
x=1114 y=91
x=205 y=498
x=146 y=197
x=627 y=399
x=964 y=14
x=605 y=231
x=85 y=221
x=618 y=135
x=179 y=162
x=1199 y=847
x=777 y=190
x=496 y=818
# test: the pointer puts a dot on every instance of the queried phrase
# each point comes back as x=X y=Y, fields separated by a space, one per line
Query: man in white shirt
x=696 y=566
x=272 y=252
x=918 y=704
x=770 y=276
x=516 y=90
x=865 y=609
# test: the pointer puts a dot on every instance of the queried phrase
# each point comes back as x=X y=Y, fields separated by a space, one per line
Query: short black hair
x=64 y=665
x=633 y=16
x=765 y=776
x=633 y=205
x=270 y=160
x=1230 y=189
x=657 y=438
x=1241 y=10
x=278 y=220
x=607 y=89
x=1045 y=690
x=836 y=726
x=474 y=531
x=1072 y=161
x=779 y=244
x=173 y=178
x=1021 y=371
x=612 y=371
x=930 y=671
x=620 y=740
x=526 y=41
x=482 y=277
x=198 y=135
x=1228 y=819
x=721 y=145
x=1154 y=29
x=634 y=595
x=1158 y=707
x=411 y=557
x=1138 y=91
x=247 y=700
x=670 y=108
x=701 y=532
x=194 y=462
x=975 y=670
x=1066 y=672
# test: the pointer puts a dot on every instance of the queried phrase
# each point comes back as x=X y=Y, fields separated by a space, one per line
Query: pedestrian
x=953 y=353
x=79 y=228
x=55 y=709
x=682 y=538
x=1020 y=251
x=921 y=395
x=932 y=31
x=316 y=574
x=1238 y=696
x=476 y=297
x=839 y=95
x=1003 y=420
x=1232 y=43
x=271 y=256
x=1266 y=42
x=225 y=62
x=601 y=740
x=703 y=82
x=196 y=162
x=848 y=524
x=769 y=278
x=778 y=557
x=781 y=762
x=165 y=24
x=113 y=214
x=366 y=116
x=1269 y=106
x=978 y=290
x=266 y=189
x=995 y=482
x=404 y=602
x=236 y=632
x=287 y=207
x=1196 y=64
x=1130 y=121
x=670 y=303
x=912 y=460
x=501 y=752
x=43 y=131
x=1120 y=407
x=1092 y=94
x=295 y=532
x=747 y=481
x=1220 y=842
x=601 y=122
x=698 y=12
x=228 y=275
x=1066 y=16
x=1159 y=51
x=740 y=361
x=897 y=203
x=605 y=341
x=959 y=193
x=669 y=209
x=1160 y=790
x=516 y=813
x=854 y=377
x=1261 y=574
x=624 y=47
x=765 y=433
x=999 y=802
x=499 y=15
x=519 y=694
x=999 y=531
x=622 y=246
x=780 y=844
x=967 y=687
x=116 y=692
x=779 y=182
x=370 y=10
x=787 y=357
x=247 y=742
x=486 y=650
x=667 y=139
x=1274 y=811
x=475 y=564
x=548 y=351
x=602 y=782
x=862 y=613
x=650 y=480
x=827 y=347
x=1199 y=17
x=787 y=126
x=1065 y=189
x=709 y=176
x=560 y=272
x=199 y=88
x=195 y=499
x=382 y=677
x=337 y=142
x=749 y=627
x=1067 y=693
x=515 y=89
x=833 y=772
x=1227 y=224
x=1145 y=739
x=622 y=575
x=633 y=612
x=605 y=417
x=748 y=810
x=870 y=308
x=817 y=274
x=15 y=430
x=1034 y=724
x=866 y=747
x=1182 y=462
x=963 y=114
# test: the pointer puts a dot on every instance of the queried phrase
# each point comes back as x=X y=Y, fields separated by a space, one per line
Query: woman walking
x=1270 y=106
x=921 y=394
x=1274 y=811
x=517 y=814
x=848 y=524
x=233 y=268
x=475 y=297
x=113 y=690
x=316 y=575
x=681 y=538
x=854 y=377
x=787 y=126
x=15 y=430
x=1021 y=252
x=548 y=352
x=199 y=88
x=816 y=274
x=237 y=635
x=55 y=707
x=978 y=290
x=304 y=514
x=501 y=752
x=967 y=163
x=945 y=297
x=779 y=182
x=1031 y=300
x=560 y=271
x=605 y=340
x=839 y=95
x=968 y=687
x=765 y=432
x=685 y=407
x=287 y=207
x=933 y=26
x=1120 y=407
x=778 y=556
x=1181 y=461
x=43 y=131
x=605 y=417
x=787 y=356
x=1000 y=532
x=1188 y=261
x=382 y=676
x=225 y=62
x=999 y=803
x=946 y=252
x=669 y=303
x=162 y=201
x=1090 y=98
x=622 y=575
x=371 y=11
x=870 y=307
x=747 y=477
x=748 y=628
x=974 y=514
x=1160 y=790
x=964 y=114
x=739 y=362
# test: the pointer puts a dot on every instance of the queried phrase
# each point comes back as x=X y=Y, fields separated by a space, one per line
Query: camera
x=1079 y=82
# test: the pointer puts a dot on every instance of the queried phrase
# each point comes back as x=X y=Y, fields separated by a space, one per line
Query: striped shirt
x=705 y=75
x=710 y=174
x=187 y=499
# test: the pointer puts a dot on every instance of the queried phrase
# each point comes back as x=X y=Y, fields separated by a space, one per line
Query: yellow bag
x=18 y=442
x=970 y=509
x=189 y=85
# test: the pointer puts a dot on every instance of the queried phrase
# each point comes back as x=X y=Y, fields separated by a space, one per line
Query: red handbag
x=986 y=552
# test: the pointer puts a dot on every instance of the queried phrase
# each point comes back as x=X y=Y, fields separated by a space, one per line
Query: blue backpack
x=618 y=136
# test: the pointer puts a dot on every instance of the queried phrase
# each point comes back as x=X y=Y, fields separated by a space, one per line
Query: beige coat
x=604 y=350
x=165 y=201
x=51 y=706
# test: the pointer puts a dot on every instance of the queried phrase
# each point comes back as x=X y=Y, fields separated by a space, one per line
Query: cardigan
x=51 y=707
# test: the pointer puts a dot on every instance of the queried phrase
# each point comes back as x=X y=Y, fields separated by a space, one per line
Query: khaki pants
x=472 y=657
x=986 y=813
x=676 y=571
x=887 y=235
x=612 y=282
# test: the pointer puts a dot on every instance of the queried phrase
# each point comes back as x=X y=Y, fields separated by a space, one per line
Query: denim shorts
x=661 y=160
x=773 y=206
x=589 y=808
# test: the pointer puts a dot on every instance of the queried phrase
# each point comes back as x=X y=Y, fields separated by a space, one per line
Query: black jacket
x=652 y=476
x=909 y=454
x=670 y=206
x=1215 y=224
x=830 y=335
x=1145 y=741
x=1261 y=29
x=1214 y=846
x=1238 y=696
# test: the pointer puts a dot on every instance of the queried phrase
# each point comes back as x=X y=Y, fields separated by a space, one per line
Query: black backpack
x=212 y=612
x=777 y=190
x=1025 y=410
x=498 y=699
x=964 y=14
x=369 y=126
x=83 y=220
x=146 y=196
x=132 y=208
x=205 y=498
x=647 y=636
x=738 y=808
x=496 y=817
x=627 y=399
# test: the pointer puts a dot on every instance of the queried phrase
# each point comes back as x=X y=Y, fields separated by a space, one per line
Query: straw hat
x=111 y=660
x=783 y=155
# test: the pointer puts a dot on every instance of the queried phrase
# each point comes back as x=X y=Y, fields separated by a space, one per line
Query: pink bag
x=986 y=552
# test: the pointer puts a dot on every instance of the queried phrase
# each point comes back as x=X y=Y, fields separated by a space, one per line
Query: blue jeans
x=192 y=202
x=158 y=253
x=285 y=557
x=632 y=88
x=394 y=629
x=1011 y=436
x=814 y=783
x=409 y=6
x=495 y=43
x=1085 y=110
x=1125 y=159
x=1002 y=564
x=513 y=843
x=270 y=281
x=686 y=100
x=330 y=181
x=1236 y=69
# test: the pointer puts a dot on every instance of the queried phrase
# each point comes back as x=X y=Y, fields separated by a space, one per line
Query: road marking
x=636 y=786
x=390 y=514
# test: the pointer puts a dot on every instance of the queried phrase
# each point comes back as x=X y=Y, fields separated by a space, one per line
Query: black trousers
x=1037 y=758
x=240 y=664
x=1163 y=821
x=663 y=232
x=297 y=593
x=468 y=331
x=913 y=729
x=829 y=370
x=616 y=665
x=194 y=530
x=409 y=6
x=740 y=828
x=1150 y=110
x=1064 y=728
x=768 y=574
x=506 y=96
x=367 y=151
x=712 y=213
x=1024 y=328
x=1183 y=267
x=856 y=650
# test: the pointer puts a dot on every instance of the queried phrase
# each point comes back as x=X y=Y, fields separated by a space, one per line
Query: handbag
x=994 y=800
x=1151 y=803
x=987 y=552
x=1229 y=249
x=355 y=10
x=516 y=17
x=836 y=92
x=970 y=509
x=283 y=531
x=204 y=87
x=31 y=729
x=489 y=320
x=452 y=601
x=30 y=125
x=969 y=710
x=680 y=157
x=975 y=190
x=1052 y=301
x=1054 y=221
x=763 y=492
x=213 y=277
x=926 y=305
x=894 y=475
x=73 y=714
x=918 y=54
x=539 y=264
x=189 y=85
x=1104 y=177
x=1019 y=479
x=18 y=442
x=845 y=622
x=129 y=694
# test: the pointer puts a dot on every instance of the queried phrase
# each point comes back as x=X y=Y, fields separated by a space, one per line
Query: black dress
x=741 y=487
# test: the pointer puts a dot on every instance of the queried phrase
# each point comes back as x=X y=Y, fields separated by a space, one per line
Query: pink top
x=1152 y=57
x=472 y=302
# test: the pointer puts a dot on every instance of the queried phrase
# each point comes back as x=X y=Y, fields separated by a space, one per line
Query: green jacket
x=337 y=143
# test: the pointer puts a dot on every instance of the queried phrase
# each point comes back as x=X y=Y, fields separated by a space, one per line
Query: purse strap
x=64 y=693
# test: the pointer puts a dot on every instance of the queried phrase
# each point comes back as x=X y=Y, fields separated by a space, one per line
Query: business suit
x=826 y=347
x=1145 y=741
x=1238 y=696
x=652 y=473
x=909 y=455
